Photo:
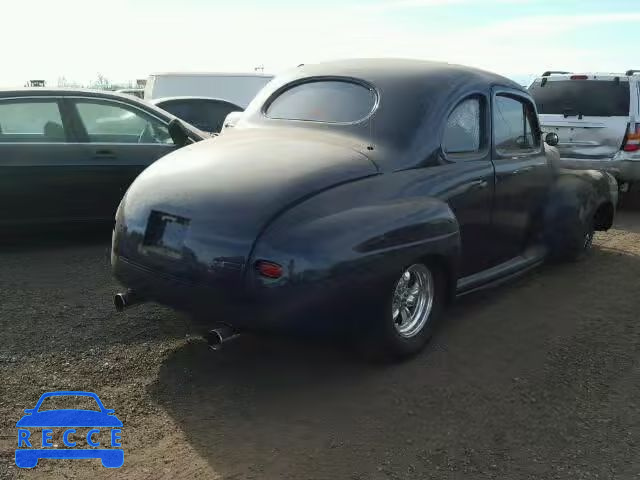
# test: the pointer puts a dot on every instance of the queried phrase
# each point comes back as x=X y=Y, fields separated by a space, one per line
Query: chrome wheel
x=412 y=300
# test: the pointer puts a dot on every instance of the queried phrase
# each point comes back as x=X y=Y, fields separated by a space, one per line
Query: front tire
x=405 y=317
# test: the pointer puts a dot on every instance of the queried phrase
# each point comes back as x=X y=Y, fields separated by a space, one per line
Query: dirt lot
x=539 y=379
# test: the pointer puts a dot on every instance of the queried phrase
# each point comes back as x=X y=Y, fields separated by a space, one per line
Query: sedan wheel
x=412 y=300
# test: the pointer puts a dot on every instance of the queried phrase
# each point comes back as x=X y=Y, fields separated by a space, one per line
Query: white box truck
x=238 y=88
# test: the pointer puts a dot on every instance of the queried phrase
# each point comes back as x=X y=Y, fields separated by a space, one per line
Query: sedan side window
x=109 y=123
x=462 y=132
x=513 y=122
x=31 y=121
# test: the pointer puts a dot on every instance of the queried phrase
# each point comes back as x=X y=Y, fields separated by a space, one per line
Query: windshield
x=208 y=116
x=328 y=101
x=593 y=98
x=77 y=402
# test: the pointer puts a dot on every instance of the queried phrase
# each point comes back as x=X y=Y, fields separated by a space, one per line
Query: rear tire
x=406 y=315
x=574 y=241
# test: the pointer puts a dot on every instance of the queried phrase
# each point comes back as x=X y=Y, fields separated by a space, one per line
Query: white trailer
x=238 y=88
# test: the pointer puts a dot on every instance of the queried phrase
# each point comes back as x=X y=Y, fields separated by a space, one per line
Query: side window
x=513 y=126
x=31 y=121
x=207 y=115
x=180 y=108
x=216 y=112
x=463 y=129
x=115 y=123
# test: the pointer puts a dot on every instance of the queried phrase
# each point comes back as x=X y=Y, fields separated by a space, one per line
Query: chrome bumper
x=624 y=167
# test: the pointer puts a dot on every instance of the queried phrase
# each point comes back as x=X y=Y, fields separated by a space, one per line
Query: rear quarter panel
x=349 y=241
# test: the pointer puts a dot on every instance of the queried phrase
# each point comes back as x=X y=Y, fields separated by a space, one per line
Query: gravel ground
x=539 y=379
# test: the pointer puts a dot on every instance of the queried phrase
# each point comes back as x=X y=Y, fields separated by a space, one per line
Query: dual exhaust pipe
x=216 y=337
x=220 y=335
x=122 y=301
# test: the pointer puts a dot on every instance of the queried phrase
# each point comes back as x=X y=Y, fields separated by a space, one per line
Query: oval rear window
x=328 y=101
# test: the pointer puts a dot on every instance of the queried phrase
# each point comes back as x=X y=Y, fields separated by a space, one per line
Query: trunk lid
x=589 y=137
x=197 y=212
x=590 y=113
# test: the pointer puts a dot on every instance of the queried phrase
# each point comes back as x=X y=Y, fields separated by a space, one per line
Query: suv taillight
x=632 y=139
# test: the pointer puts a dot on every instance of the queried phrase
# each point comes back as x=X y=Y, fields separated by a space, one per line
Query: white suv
x=597 y=119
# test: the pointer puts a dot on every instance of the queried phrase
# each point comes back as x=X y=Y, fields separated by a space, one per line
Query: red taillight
x=269 y=269
x=632 y=139
x=579 y=77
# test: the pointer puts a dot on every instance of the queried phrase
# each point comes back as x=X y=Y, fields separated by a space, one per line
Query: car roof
x=69 y=393
x=413 y=96
x=75 y=393
x=591 y=75
x=155 y=101
x=375 y=70
x=47 y=92
x=213 y=74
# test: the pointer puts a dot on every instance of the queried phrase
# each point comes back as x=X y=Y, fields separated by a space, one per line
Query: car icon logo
x=103 y=419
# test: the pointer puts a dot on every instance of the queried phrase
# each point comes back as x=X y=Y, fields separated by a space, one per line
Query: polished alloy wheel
x=412 y=300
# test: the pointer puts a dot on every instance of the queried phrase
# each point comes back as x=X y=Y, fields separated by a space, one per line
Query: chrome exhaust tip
x=122 y=301
x=217 y=337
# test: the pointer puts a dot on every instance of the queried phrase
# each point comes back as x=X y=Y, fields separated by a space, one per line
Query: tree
x=102 y=83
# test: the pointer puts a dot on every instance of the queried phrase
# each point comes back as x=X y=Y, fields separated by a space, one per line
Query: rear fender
x=575 y=198
x=338 y=241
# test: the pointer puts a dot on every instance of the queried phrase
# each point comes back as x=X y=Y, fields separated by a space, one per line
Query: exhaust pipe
x=125 y=300
x=221 y=335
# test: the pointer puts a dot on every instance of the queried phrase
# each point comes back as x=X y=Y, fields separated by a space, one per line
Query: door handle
x=479 y=184
x=522 y=170
x=102 y=154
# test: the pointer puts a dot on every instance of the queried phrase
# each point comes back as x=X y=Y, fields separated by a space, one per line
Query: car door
x=469 y=179
x=523 y=174
x=37 y=158
x=119 y=140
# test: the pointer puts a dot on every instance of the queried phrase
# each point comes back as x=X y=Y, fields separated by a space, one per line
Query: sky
x=127 y=39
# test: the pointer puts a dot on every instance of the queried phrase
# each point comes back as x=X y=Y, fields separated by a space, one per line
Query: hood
x=230 y=187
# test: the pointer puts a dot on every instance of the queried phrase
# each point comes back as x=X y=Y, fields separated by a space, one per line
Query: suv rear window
x=329 y=101
x=593 y=98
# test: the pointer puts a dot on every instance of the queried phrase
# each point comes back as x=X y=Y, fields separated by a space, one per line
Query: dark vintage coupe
x=367 y=193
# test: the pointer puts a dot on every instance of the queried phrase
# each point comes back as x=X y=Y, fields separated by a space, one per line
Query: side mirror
x=29 y=410
x=552 y=139
x=178 y=133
